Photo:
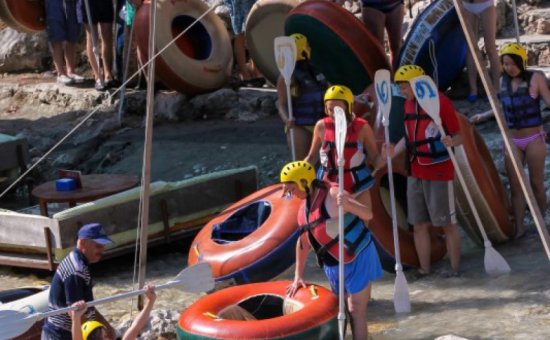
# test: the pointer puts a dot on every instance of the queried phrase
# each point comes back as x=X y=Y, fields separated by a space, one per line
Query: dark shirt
x=71 y=282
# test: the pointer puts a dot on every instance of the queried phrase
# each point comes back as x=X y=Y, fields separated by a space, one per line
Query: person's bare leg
x=470 y=65
x=58 y=58
x=423 y=245
x=90 y=52
x=374 y=22
x=70 y=57
x=489 y=26
x=357 y=307
x=394 y=27
x=240 y=56
x=535 y=155
x=517 y=198
x=452 y=241
x=302 y=141
x=106 y=34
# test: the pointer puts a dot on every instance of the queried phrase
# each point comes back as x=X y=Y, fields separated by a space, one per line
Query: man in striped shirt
x=72 y=282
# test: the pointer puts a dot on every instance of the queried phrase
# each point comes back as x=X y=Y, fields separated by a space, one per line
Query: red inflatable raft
x=262 y=311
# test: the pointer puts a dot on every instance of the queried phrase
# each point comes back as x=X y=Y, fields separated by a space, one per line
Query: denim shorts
x=61 y=21
x=238 y=11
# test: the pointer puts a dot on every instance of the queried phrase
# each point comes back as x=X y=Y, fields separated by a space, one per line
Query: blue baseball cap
x=94 y=232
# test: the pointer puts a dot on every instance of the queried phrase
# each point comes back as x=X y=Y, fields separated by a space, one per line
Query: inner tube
x=262 y=311
x=200 y=61
x=29 y=301
x=381 y=224
x=264 y=23
x=485 y=187
x=28 y=16
x=436 y=38
x=341 y=47
x=253 y=240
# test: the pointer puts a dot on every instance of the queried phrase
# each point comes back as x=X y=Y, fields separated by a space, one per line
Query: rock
x=23 y=52
x=168 y=104
x=214 y=104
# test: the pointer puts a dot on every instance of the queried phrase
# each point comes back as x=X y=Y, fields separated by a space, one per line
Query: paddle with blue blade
x=285 y=56
x=340 y=129
x=427 y=96
x=194 y=279
x=382 y=84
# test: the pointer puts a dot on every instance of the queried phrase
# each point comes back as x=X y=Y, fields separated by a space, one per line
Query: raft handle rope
x=433 y=59
x=91 y=113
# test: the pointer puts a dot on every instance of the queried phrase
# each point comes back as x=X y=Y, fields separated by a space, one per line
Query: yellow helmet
x=296 y=171
x=516 y=49
x=408 y=72
x=340 y=92
x=88 y=327
x=302 y=48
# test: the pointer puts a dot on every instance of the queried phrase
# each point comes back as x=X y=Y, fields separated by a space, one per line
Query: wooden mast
x=530 y=197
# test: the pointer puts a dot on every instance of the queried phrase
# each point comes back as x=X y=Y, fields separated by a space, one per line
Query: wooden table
x=93 y=187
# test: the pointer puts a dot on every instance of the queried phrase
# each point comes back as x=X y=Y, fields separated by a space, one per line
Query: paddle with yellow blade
x=427 y=96
x=382 y=84
x=340 y=129
x=194 y=279
x=285 y=56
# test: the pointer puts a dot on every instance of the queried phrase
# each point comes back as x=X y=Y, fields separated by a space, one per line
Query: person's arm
x=143 y=316
x=542 y=87
x=369 y=143
x=282 y=102
x=316 y=141
x=481 y=117
x=76 y=319
x=302 y=250
x=351 y=205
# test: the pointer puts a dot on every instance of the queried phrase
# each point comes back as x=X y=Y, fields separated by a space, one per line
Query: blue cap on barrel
x=94 y=231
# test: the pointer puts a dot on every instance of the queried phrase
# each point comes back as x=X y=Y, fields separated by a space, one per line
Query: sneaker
x=63 y=79
x=76 y=78
x=99 y=87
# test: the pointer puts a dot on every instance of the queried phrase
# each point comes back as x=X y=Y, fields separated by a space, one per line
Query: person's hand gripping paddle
x=382 y=84
x=194 y=279
x=427 y=96
x=285 y=56
x=341 y=129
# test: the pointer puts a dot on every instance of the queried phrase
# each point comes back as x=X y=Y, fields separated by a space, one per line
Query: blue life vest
x=308 y=105
x=520 y=109
x=313 y=220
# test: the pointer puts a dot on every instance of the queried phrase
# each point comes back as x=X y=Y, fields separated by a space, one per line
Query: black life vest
x=308 y=105
x=520 y=109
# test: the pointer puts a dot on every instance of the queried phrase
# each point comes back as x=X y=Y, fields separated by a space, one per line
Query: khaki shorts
x=430 y=201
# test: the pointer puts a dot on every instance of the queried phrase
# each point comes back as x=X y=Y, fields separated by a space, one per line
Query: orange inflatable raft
x=262 y=311
x=253 y=240
x=200 y=60
x=27 y=16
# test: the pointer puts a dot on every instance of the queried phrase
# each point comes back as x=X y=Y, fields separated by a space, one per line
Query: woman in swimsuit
x=520 y=93
x=483 y=11
x=385 y=14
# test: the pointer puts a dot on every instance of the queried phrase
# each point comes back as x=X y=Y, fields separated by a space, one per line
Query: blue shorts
x=358 y=273
x=61 y=21
x=238 y=11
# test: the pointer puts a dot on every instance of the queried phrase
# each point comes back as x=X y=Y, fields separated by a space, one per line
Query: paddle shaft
x=341 y=304
x=290 y=117
x=518 y=168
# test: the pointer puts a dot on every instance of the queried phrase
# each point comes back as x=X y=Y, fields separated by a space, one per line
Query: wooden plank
x=530 y=197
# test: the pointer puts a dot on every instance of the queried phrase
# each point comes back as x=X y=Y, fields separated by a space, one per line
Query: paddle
x=427 y=96
x=340 y=129
x=195 y=279
x=285 y=56
x=382 y=84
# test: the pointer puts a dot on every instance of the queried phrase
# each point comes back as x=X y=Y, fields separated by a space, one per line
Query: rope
x=89 y=115
x=433 y=59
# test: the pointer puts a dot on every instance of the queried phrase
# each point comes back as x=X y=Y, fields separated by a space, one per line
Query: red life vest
x=423 y=137
x=356 y=174
x=314 y=220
